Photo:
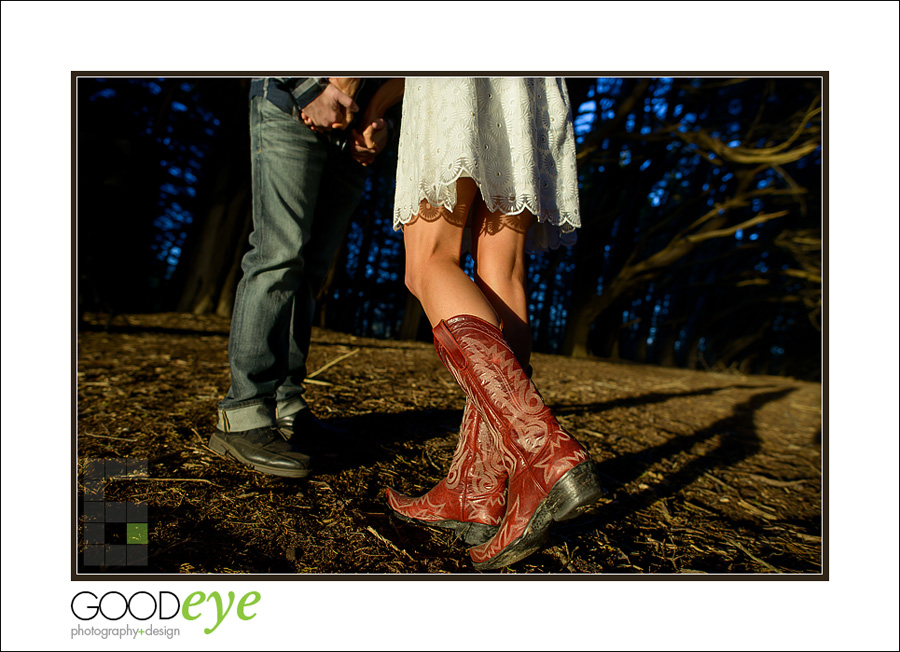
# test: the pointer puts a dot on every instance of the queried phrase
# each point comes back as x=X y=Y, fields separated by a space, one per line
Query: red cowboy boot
x=471 y=500
x=550 y=474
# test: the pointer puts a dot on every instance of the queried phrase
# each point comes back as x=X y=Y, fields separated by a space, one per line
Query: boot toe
x=263 y=450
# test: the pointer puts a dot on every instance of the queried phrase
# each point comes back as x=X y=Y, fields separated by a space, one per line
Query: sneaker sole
x=578 y=488
x=225 y=450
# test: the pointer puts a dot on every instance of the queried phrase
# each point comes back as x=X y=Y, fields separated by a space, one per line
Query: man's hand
x=332 y=109
x=347 y=85
x=368 y=144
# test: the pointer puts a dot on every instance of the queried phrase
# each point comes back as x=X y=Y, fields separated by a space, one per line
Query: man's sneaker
x=262 y=449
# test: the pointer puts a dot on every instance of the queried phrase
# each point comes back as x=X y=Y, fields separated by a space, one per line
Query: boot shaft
x=527 y=434
x=486 y=368
x=476 y=469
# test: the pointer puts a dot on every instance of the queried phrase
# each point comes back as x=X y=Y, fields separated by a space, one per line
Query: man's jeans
x=304 y=192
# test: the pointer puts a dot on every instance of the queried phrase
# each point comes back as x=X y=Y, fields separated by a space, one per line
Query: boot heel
x=476 y=533
x=577 y=488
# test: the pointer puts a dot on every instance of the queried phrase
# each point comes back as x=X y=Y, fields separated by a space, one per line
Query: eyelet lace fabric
x=513 y=136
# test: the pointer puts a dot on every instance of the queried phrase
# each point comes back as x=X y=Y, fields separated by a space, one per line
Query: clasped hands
x=334 y=108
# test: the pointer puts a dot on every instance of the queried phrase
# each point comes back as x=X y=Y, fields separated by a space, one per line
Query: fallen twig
x=389 y=543
x=145 y=479
x=762 y=562
x=432 y=463
x=756 y=511
x=313 y=381
x=85 y=434
x=331 y=364
x=773 y=482
x=697 y=508
x=721 y=482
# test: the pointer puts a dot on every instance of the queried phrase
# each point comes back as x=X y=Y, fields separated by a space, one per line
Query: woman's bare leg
x=471 y=500
x=498 y=246
x=433 y=274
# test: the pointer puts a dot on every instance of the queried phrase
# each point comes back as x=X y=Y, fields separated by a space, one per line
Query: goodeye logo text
x=165 y=605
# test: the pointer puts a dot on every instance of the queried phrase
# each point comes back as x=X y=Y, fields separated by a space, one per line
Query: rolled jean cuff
x=245 y=417
x=290 y=406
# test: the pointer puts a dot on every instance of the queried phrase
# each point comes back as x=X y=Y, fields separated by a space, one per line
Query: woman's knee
x=412 y=281
x=500 y=272
x=500 y=255
x=423 y=265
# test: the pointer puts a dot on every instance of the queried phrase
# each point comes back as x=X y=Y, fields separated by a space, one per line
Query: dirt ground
x=703 y=472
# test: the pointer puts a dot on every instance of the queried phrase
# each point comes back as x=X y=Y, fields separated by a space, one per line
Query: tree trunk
x=339 y=260
x=226 y=297
x=578 y=330
x=667 y=350
x=217 y=251
x=412 y=317
x=209 y=270
x=737 y=346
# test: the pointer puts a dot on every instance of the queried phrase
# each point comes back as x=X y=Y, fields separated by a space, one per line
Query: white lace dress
x=513 y=136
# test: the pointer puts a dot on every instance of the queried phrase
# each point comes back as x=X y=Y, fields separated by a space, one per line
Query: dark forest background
x=700 y=201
